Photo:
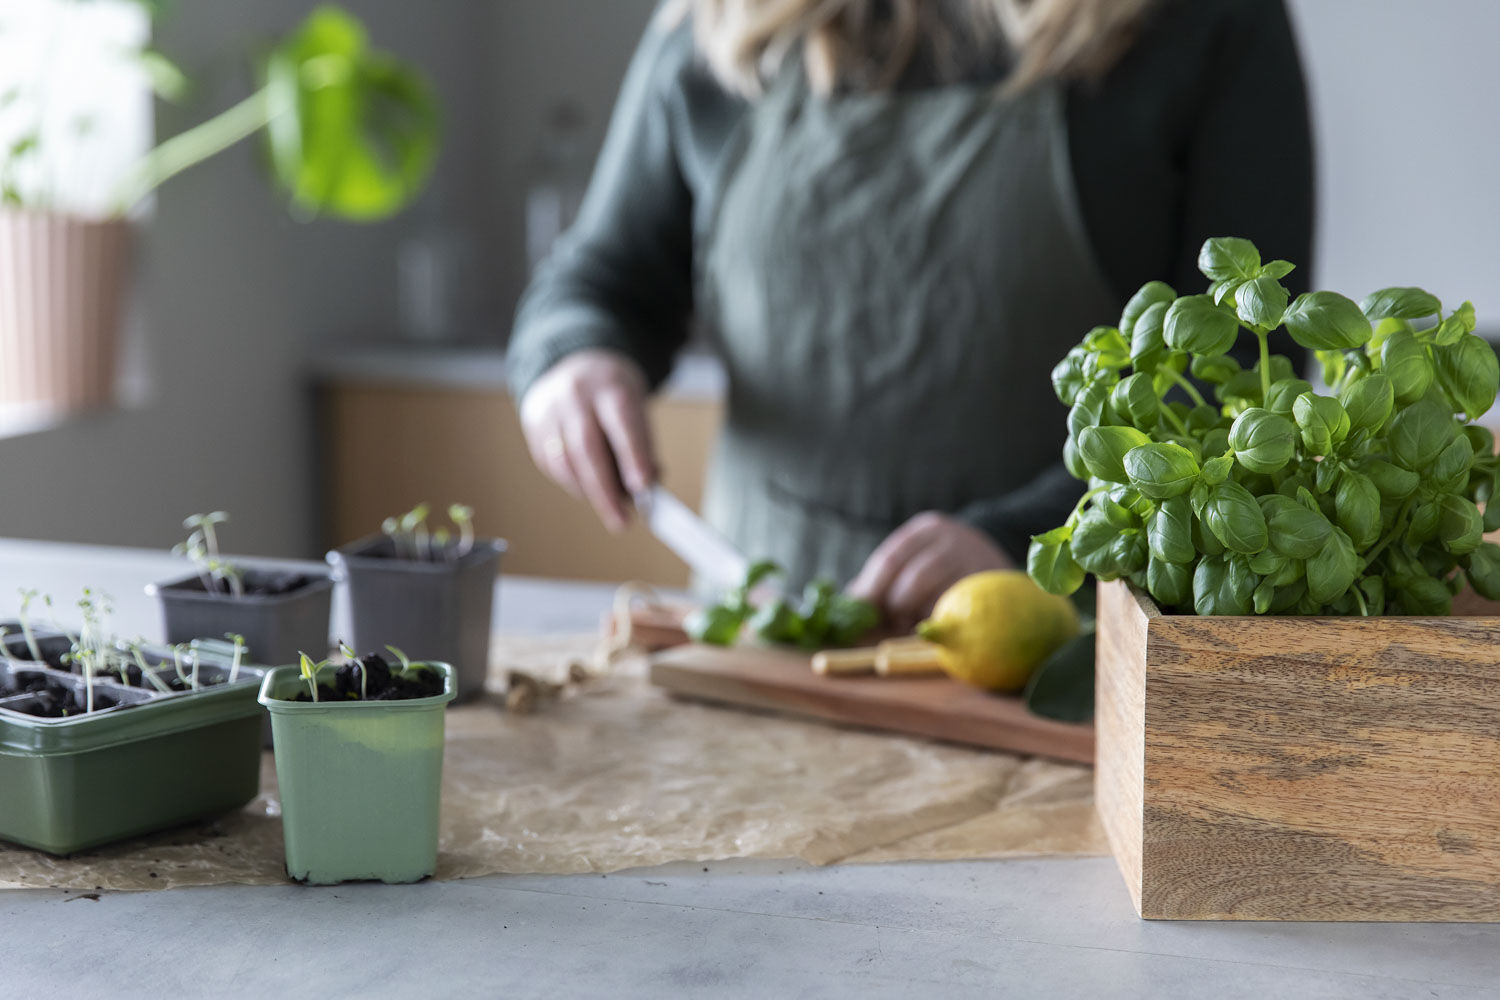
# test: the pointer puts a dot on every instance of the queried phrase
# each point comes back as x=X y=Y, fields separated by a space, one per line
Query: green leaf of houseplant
x=1469 y=371
x=1050 y=562
x=1151 y=294
x=1294 y=531
x=1234 y=517
x=1223 y=585
x=1419 y=433
x=1404 y=361
x=1161 y=470
x=1331 y=571
x=1369 y=402
x=1194 y=324
x=1326 y=321
x=365 y=135
x=1400 y=303
x=1226 y=258
x=1261 y=303
x=1263 y=441
x=1169 y=531
x=1103 y=450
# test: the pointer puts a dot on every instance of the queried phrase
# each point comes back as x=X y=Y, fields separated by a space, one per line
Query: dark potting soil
x=381 y=684
x=54 y=651
x=57 y=701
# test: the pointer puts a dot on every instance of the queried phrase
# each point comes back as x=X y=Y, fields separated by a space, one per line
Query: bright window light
x=75 y=105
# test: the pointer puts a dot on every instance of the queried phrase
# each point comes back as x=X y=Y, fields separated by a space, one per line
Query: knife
x=690 y=538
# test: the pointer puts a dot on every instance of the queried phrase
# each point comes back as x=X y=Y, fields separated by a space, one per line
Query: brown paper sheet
x=616 y=775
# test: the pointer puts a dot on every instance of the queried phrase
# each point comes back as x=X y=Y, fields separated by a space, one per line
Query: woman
x=892 y=218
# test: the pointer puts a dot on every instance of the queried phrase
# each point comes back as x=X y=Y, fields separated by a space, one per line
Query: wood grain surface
x=1301 y=768
x=933 y=707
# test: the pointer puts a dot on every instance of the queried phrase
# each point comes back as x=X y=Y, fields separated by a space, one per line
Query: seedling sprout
x=353 y=657
x=411 y=539
x=146 y=672
x=27 y=596
x=310 y=673
x=202 y=547
x=239 y=653
x=405 y=660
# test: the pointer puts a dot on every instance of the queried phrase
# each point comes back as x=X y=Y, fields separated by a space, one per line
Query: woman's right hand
x=585 y=424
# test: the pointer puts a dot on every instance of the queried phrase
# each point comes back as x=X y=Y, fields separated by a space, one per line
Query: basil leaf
x=1460 y=526
x=1331 y=571
x=1295 y=532
x=1422 y=595
x=1062 y=688
x=1050 y=562
x=1323 y=321
x=1278 y=269
x=1322 y=421
x=1103 y=450
x=1223 y=585
x=1148 y=345
x=1090 y=543
x=1194 y=324
x=1400 y=303
x=1482 y=566
x=1393 y=482
x=1228 y=258
x=1469 y=372
x=1284 y=395
x=718 y=625
x=1404 y=360
x=1263 y=441
x=1261 y=303
x=1419 y=432
x=777 y=622
x=1108 y=346
x=1152 y=293
x=1216 y=369
x=1127 y=555
x=1369 y=402
x=1161 y=471
x=1067 y=377
x=1233 y=516
x=1169 y=532
x=1089 y=409
x=1449 y=472
x=1136 y=400
x=1170 y=583
x=1357 y=506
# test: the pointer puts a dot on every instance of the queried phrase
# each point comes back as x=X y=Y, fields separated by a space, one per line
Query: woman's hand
x=906 y=575
x=585 y=424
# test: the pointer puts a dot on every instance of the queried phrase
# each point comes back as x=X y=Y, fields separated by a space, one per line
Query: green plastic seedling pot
x=361 y=781
x=67 y=785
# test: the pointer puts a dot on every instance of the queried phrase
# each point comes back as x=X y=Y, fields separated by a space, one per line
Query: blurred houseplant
x=352 y=132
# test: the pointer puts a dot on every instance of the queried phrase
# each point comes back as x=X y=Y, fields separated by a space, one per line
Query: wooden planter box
x=1300 y=768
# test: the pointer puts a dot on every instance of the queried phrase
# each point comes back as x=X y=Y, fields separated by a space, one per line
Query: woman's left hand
x=906 y=575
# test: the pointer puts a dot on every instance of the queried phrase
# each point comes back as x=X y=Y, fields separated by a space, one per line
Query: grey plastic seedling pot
x=154 y=762
x=361 y=781
x=276 y=627
x=434 y=611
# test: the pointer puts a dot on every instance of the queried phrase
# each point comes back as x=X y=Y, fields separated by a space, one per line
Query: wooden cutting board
x=934 y=707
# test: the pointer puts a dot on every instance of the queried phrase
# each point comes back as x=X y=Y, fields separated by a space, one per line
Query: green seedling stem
x=239 y=653
x=147 y=672
x=177 y=663
x=405 y=660
x=27 y=596
x=462 y=515
x=309 y=671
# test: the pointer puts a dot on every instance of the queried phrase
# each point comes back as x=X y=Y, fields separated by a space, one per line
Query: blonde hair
x=870 y=43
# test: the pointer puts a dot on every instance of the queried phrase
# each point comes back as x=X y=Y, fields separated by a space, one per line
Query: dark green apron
x=890 y=279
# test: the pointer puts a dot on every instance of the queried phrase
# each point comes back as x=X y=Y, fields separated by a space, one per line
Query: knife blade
x=691 y=538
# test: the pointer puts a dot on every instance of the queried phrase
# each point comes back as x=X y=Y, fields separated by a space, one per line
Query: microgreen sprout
x=91 y=650
x=239 y=653
x=405 y=660
x=27 y=596
x=411 y=538
x=177 y=663
x=146 y=672
x=463 y=516
x=310 y=670
x=352 y=657
x=202 y=547
x=195 y=669
x=5 y=649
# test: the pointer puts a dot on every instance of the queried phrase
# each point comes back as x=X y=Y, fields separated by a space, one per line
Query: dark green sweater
x=1200 y=130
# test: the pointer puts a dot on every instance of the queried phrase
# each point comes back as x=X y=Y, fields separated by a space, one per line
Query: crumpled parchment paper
x=617 y=775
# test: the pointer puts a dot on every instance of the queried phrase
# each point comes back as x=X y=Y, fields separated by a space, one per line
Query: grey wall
x=231 y=293
x=1408 y=139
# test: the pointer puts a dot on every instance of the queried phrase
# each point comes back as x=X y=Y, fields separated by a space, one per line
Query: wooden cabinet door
x=388 y=447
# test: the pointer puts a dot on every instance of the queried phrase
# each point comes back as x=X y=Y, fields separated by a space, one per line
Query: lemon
x=993 y=629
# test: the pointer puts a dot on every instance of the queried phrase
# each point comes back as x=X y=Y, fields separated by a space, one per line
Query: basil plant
x=1274 y=498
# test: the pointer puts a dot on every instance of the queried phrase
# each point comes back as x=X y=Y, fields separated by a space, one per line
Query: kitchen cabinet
x=389 y=443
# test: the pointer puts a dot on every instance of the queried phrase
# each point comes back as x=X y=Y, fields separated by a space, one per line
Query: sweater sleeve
x=621 y=277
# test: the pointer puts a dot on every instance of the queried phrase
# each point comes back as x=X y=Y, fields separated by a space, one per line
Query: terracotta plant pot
x=63 y=282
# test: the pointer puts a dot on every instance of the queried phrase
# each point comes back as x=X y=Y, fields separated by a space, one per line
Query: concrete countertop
x=1043 y=928
x=698 y=376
